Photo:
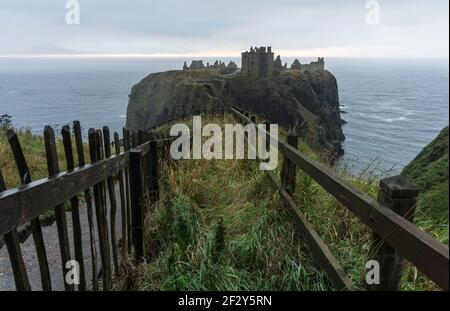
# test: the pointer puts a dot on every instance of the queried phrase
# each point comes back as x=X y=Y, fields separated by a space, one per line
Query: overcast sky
x=407 y=28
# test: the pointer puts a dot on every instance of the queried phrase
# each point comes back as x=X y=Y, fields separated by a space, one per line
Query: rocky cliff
x=306 y=102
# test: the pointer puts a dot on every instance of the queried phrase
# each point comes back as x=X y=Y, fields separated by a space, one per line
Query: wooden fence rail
x=134 y=164
x=428 y=254
x=135 y=170
x=96 y=182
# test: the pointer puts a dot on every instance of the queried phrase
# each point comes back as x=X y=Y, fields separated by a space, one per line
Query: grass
x=215 y=229
x=429 y=173
x=220 y=226
x=347 y=237
x=34 y=151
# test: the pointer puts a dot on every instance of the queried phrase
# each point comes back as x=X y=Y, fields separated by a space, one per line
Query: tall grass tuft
x=219 y=226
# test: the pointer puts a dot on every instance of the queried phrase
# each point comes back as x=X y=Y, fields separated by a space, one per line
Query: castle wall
x=314 y=66
x=268 y=64
x=258 y=62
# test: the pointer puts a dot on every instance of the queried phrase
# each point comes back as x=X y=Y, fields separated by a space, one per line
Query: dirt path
x=53 y=254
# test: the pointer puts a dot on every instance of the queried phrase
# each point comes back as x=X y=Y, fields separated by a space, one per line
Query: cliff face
x=161 y=96
x=429 y=172
x=308 y=103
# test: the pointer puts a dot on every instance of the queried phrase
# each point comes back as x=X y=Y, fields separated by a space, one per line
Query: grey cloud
x=409 y=27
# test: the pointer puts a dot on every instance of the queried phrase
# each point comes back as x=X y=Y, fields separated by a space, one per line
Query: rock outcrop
x=306 y=102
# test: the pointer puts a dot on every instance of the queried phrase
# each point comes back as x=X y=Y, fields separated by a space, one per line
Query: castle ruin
x=258 y=62
x=312 y=66
x=218 y=65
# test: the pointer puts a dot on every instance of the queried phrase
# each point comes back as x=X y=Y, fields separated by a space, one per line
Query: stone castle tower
x=258 y=62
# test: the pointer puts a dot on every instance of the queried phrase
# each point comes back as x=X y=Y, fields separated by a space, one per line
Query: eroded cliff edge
x=306 y=102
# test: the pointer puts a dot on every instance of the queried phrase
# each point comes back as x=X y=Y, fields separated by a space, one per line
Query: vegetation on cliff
x=221 y=226
x=429 y=172
x=304 y=101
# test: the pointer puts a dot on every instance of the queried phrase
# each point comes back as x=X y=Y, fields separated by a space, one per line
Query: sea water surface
x=393 y=108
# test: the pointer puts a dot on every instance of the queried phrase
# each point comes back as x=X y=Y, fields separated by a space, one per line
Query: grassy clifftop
x=429 y=172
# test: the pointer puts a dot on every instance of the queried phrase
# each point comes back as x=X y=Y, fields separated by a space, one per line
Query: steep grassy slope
x=429 y=172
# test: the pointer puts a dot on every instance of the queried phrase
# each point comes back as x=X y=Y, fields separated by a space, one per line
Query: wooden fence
x=390 y=218
x=136 y=171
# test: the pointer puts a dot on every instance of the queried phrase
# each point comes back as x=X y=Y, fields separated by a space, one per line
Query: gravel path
x=53 y=254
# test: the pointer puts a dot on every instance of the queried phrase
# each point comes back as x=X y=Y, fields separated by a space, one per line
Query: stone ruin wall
x=258 y=62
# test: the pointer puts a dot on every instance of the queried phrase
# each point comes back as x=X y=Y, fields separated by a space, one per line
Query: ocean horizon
x=393 y=107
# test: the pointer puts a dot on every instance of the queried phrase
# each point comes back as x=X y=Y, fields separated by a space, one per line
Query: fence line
x=137 y=170
x=406 y=240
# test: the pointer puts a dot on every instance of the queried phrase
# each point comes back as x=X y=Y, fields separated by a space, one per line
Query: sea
x=392 y=107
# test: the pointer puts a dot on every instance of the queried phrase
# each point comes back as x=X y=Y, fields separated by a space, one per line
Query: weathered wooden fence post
x=15 y=254
x=288 y=170
x=127 y=147
x=154 y=172
x=25 y=178
x=104 y=208
x=88 y=199
x=94 y=150
x=399 y=195
x=60 y=212
x=137 y=202
x=123 y=206
x=112 y=201
x=74 y=204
